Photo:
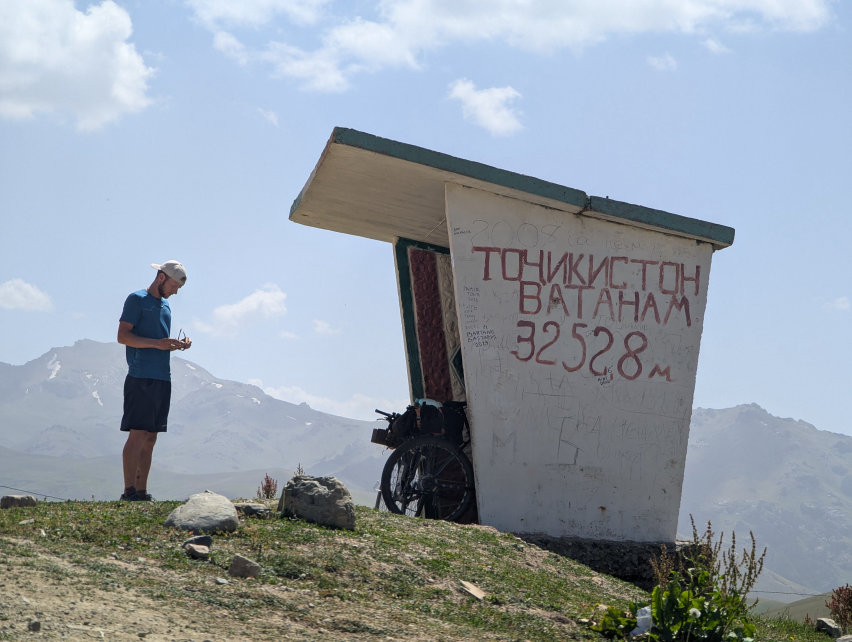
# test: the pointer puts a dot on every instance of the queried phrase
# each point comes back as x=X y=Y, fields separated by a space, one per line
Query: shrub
x=268 y=488
x=840 y=607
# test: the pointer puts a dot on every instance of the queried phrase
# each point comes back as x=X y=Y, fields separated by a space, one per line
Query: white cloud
x=319 y=71
x=54 y=58
x=716 y=47
x=840 y=303
x=231 y=47
x=255 y=13
x=488 y=108
x=324 y=327
x=17 y=294
x=666 y=62
x=402 y=31
x=269 y=116
x=267 y=302
x=358 y=406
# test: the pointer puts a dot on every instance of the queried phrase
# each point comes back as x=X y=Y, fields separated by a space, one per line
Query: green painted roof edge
x=472 y=169
x=718 y=235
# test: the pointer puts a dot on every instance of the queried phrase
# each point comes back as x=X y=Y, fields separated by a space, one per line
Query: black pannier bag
x=426 y=420
x=454 y=421
x=431 y=420
x=403 y=427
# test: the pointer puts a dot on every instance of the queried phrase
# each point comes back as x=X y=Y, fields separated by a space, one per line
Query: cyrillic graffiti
x=609 y=289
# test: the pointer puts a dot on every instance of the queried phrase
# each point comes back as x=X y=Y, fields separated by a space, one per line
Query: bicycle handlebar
x=382 y=412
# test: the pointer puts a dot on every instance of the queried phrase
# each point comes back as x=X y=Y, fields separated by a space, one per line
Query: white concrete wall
x=580 y=343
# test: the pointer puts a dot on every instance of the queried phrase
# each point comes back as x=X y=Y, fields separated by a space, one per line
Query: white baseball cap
x=173 y=270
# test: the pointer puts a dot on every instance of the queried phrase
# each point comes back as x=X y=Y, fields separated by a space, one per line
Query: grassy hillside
x=109 y=569
x=812 y=607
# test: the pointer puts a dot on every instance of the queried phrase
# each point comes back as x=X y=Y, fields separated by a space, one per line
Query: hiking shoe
x=129 y=495
x=136 y=496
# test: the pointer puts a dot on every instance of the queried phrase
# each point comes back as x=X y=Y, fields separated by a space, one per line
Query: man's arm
x=127 y=338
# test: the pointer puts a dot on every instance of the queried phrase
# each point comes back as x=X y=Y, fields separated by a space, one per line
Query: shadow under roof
x=381 y=189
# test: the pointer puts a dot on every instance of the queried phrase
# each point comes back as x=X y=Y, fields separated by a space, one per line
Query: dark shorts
x=146 y=404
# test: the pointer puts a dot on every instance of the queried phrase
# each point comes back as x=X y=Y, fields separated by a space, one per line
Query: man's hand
x=168 y=344
x=127 y=338
x=173 y=344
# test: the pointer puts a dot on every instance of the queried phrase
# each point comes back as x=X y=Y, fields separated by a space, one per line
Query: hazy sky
x=134 y=132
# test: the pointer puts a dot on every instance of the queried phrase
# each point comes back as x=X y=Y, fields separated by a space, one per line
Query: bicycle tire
x=428 y=477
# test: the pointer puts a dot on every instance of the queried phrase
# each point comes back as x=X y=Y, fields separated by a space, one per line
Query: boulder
x=13 y=501
x=206 y=512
x=321 y=500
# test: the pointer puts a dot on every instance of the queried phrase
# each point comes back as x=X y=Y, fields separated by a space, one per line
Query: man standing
x=144 y=327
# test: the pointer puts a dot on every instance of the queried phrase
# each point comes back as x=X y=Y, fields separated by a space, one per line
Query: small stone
x=34 y=626
x=221 y=581
x=17 y=501
x=829 y=626
x=244 y=567
x=26 y=522
x=252 y=509
x=197 y=551
x=201 y=540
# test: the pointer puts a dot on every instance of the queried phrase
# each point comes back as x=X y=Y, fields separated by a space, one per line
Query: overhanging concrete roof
x=381 y=189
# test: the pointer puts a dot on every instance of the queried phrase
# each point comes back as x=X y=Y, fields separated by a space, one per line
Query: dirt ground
x=45 y=596
x=48 y=597
x=56 y=590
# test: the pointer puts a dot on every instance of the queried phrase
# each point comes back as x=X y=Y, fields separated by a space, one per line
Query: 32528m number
x=544 y=349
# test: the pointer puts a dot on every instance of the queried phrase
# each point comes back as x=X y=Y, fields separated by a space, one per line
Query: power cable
x=32 y=492
x=786 y=593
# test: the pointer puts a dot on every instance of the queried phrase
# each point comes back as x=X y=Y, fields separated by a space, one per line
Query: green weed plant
x=702 y=593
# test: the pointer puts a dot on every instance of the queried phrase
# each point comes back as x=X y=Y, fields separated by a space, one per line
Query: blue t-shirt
x=151 y=318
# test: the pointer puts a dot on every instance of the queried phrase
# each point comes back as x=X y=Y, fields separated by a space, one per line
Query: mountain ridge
x=67 y=404
x=784 y=480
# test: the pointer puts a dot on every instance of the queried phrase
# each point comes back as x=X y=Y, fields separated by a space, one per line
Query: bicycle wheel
x=428 y=477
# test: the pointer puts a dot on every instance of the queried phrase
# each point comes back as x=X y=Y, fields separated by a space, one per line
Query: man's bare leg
x=136 y=458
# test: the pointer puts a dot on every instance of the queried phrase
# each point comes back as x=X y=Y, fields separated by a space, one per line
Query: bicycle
x=427 y=474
